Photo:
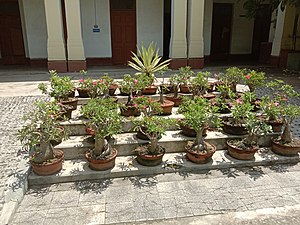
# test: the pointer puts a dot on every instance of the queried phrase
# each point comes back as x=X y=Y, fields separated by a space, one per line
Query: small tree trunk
x=102 y=148
x=130 y=98
x=161 y=96
x=176 y=92
x=287 y=134
x=44 y=153
x=199 y=143
x=153 y=145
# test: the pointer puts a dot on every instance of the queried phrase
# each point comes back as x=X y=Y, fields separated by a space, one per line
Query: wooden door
x=11 y=37
x=221 y=31
x=261 y=29
x=123 y=30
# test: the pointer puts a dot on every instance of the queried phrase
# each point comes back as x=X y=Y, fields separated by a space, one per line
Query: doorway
x=221 y=31
x=167 y=28
x=261 y=29
x=11 y=36
x=123 y=30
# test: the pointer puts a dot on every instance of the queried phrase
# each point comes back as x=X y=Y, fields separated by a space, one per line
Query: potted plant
x=148 y=63
x=165 y=104
x=152 y=153
x=270 y=108
x=185 y=73
x=232 y=77
x=244 y=149
x=198 y=114
x=104 y=120
x=236 y=123
x=101 y=87
x=129 y=85
x=83 y=85
x=254 y=79
x=175 y=81
x=62 y=89
x=41 y=128
x=286 y=144
x=199 y=85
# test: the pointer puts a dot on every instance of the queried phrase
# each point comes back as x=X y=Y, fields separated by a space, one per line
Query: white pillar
x=276 y=46
x=208 y=14
x=76 y=57
x=195 y=34
x=55 y=44
x=178 y=43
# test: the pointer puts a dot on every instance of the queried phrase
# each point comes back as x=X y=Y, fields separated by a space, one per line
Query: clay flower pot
x=276 y=125
x=71 y=102
x=177 y=101
x=230 y=128
x=151 y=160
x=241 y=154
x=291 y=149
x=112 y=89
x=130 y=111
x=184 y=89
x=51 y=167
x=167 y=107
x=200 y=157
x=101 y=164
x=150 y=90
x=83 y=93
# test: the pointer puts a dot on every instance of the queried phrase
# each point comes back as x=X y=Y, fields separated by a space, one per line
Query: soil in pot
x=200 y=157
x=101 y=164
x=285 y=149
x=49 y=167
x=146 y=159
x=238 y=150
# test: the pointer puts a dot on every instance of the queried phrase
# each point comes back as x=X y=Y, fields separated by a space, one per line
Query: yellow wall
x=286 y=42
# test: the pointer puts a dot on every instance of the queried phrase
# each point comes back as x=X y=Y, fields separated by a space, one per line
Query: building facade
x=69 y=35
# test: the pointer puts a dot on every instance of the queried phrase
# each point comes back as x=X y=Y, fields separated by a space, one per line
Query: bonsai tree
x=42 y=127
x=232 y=77
x=254 y=79
x=288 y=112
x=199 y=84
x=185 y=74
x=147 y=106
x=84 y=85
x=61 y=88
x=105 y=120
x=199 y=113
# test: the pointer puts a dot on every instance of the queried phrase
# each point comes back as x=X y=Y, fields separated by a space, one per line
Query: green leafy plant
x=232 y=77
x=100 y=87
x=147 y=106
x=60 y=87
x=198 y=114
x=41 y=127
x=200 y=85
x=153 y=127
x=149 y=61
x=282 y=92
x=185 y=74
x=105 y=120
x=240 y=111
x=254 y=79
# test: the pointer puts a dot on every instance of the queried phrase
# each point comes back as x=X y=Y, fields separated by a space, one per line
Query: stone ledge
x=78 y=170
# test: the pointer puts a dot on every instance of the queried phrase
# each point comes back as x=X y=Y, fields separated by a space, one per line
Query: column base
x=58 y=65
x=274 y=60
x=196 y=63
x=76 y=65
x=284 y=53
x=177 y=63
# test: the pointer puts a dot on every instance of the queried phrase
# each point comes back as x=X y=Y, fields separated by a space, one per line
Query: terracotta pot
x=234 y=129
x=90 y=131
x=285 y=150
x=48 y=168
x=130 y=111
x=150 y=160
x=112 y=89
x=150 y=90
x=198 y=157
x=177 y=101
x=72 y=94
x=122 y=93
x=71 y=102
x=209 y=96
x=276 y=125
x=101 y=164
x=184 y=89
x=237 y=153
x=167 y=107
x=83 y=93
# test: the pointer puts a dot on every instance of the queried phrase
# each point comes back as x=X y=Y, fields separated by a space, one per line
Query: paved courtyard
x=136 y=199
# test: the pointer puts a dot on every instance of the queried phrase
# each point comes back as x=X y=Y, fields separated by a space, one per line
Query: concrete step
x=125 y=143
x=78 y=170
